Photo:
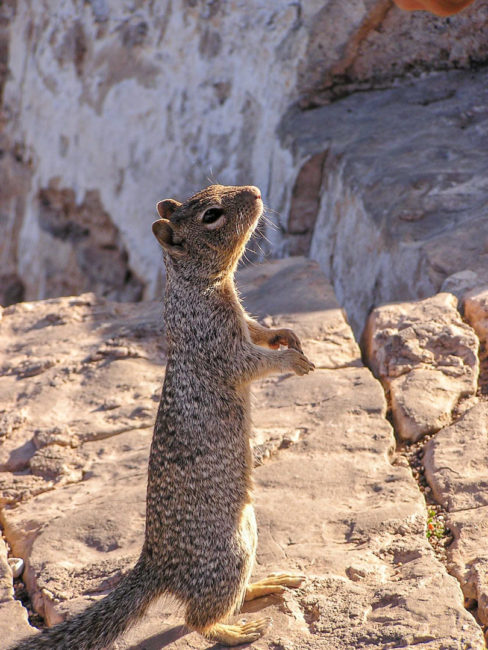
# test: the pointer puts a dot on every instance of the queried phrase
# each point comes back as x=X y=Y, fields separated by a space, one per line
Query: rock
x=355 y=47
x=304 y=205
x=13 y=617
x=456 y=461
x=16 y=565
x=329 y=502
x=90 y=200
x=422 y=402
x=392 y=224
x=282 y=298
x=456 y=467
x=463 y=282
x=476 y=312
x=426 y=358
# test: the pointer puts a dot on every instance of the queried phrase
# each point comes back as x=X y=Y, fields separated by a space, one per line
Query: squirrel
x=200 y=536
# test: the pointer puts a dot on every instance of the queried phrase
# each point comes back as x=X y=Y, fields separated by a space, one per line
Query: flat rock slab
x=329 y=501
x=426 y=358
x=456 y=467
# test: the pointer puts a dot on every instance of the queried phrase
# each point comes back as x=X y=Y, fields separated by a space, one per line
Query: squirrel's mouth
x=250 y=207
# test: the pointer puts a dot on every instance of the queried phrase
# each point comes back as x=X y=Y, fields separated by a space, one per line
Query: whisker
x=268 y=241
x=247 y=260
x=270 y=222
x=261 y=250
x=211 y=179
x=267 y=208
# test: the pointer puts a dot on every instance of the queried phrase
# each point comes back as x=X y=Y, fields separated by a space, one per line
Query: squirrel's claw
x=285 y=337
x=297 y=362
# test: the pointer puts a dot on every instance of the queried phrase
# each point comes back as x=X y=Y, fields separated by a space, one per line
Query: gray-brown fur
x=200 y=535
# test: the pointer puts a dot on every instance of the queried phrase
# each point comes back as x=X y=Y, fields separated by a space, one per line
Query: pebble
x=16 y=565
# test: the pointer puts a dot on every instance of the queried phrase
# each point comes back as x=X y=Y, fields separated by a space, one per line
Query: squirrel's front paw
x=297 y=362
x=284 y=337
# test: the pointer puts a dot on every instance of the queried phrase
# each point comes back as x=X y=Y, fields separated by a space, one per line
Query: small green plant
x=435 y=526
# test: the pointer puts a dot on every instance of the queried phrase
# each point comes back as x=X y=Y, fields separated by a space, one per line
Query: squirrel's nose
x=255 y=191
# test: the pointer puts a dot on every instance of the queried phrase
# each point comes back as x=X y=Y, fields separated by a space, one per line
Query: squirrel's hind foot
x=231 y=635
x=275 y=583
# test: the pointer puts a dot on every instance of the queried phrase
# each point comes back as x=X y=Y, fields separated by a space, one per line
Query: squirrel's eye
x=212 y=214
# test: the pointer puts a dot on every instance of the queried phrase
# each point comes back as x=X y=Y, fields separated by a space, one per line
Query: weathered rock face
x=403 y=191
x=79 y=404
x=429 y=335
x=119 y=105
x=456 y=465
x=427 y=359
x=476 y=311
x=90 y=243
x=132 y=104
x=13 y=616
x=350 y=48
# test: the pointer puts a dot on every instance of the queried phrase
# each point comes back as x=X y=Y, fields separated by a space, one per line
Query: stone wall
x=121 y=105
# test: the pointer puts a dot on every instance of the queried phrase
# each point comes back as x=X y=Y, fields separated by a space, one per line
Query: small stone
x=17 y=566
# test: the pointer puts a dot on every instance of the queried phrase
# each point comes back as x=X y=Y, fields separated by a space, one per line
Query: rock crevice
x=448 y=457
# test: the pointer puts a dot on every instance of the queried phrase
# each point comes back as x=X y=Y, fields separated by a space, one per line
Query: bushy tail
x=101 y=623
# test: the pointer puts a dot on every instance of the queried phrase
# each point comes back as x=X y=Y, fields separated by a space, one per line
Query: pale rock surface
x=464 y=282
x=108 y=107
x=301 y=296
x=350 y=48
x=426 y=358
x=476 y=311
x=13 y=617
x=329 y=501
x=428 y=342
x=456 y=467
x=403 y=189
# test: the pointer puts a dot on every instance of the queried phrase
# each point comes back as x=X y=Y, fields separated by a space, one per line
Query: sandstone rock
x=55 y=422
x=13 y=617
x=422 y=402
x=83 y=166
x=370 y=44
x=468 y=557
x=300 y=297
x=392 y=223
x=48 y=412
x=304 y=205
x=476 y=311
x=456 y=461
x=426 y=358
x=463 y=282
x=329 y=502
x=456 y=467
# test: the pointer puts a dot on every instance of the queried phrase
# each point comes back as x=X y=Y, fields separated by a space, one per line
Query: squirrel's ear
x=164 y=232
x=167 y=207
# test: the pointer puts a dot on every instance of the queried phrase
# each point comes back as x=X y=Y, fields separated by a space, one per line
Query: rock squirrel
x=200 y=537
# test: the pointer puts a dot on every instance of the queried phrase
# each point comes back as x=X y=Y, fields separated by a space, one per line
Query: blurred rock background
x=364 y=126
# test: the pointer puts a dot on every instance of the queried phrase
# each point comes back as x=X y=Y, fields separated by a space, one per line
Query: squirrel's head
x=206 y=235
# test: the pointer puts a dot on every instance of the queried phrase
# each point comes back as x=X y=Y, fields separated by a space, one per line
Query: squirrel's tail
x=101 y=623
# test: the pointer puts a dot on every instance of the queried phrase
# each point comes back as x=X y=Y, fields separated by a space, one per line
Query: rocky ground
x=388 y=526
